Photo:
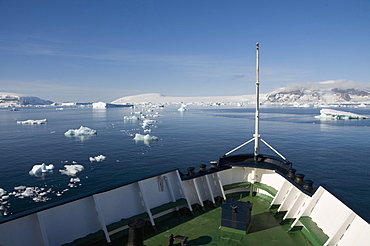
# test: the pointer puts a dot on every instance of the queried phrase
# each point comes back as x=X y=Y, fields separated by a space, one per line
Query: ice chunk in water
x=32 y=122
x=82 y=131
x=145 y=138
x=2 y=192
x=40 y=169
x=98 y=158
x=131 y=118
x=72 y=170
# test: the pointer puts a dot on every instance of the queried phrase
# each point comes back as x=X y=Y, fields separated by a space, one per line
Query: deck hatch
x=236 y=215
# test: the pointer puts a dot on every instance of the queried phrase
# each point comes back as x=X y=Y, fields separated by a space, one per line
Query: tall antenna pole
x=256 y=130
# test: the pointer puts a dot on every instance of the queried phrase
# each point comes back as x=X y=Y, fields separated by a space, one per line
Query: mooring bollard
x=135 y=233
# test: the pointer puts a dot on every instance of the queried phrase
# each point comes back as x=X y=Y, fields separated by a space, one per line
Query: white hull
x=76 y=219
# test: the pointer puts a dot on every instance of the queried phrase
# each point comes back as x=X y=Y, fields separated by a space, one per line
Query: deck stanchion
x=210 y=190
x=43 y=229
x=198 y=192
x=184 y=191
x=101 y=218
x=146 y=204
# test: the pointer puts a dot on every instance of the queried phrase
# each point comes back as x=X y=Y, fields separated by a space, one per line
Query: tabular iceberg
x=331 y=114
x=32 y=122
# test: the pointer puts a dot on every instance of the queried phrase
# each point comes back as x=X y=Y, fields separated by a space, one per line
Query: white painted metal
x=357 y=234
x=296 y=206
x=210 y=190
x=169 y=186
x=101 y=218
x=70 y=221
x=23 y=231
x=146 y=203
x=73 y=220
x=221 y=186
x=183 y=190
x=197 y=189
x=282 y=192
x=340 y=228
x=43 y=229
x=273 y=149
x=235 y=149
x=257 y=115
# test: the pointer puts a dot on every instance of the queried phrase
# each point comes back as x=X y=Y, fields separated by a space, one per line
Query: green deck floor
x=204 y=230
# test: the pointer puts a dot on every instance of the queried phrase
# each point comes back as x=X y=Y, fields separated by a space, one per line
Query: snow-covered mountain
x=16 y=100
x=159 y=98
x=318 y=93
x=327 y=92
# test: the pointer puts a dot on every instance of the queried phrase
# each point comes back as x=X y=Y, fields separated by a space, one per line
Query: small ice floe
x=130 y=118
x=2 y=192
x=39 y=170
x=145 y=138
x=73 y=182
x=32 y=122
x=148 y=123
x=98 y=158
x=331 y=114
x=37 y=194
x=60 y=193
x=72 y=170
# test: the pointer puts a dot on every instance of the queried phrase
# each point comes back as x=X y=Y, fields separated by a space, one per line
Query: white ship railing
x=77 y=219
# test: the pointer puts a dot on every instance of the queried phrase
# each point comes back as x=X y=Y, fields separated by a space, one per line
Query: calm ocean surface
x=333 y=153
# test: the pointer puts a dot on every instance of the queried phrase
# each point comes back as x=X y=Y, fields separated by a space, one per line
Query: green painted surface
x=204 y=230
x=272 y=191
x=202 y=227
x=313 y=232
x=237 y=185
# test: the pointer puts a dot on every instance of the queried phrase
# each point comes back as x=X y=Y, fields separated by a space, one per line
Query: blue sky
x=103 y=50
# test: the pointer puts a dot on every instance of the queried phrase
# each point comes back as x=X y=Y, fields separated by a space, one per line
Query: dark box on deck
x=236 y=215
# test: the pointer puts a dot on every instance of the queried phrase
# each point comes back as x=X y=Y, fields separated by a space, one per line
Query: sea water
x=333 y=153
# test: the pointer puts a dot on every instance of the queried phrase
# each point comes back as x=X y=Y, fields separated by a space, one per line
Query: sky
x=89 y=51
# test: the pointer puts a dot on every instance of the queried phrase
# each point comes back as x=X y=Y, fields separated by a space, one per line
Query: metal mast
x=256 y=136
x=256 y=130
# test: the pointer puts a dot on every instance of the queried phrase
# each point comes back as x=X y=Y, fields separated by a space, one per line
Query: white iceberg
x=73 y=182
x=145 y=138
x=2 y=192
x=32 y=122
x=40 y=169
x=182 y=108
x=98 y=158
x=35 y=193
x=72 y=170
x=82 y=131
x=331 y=114
x=148 y=123
x=29 y=191
x=130 y=118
